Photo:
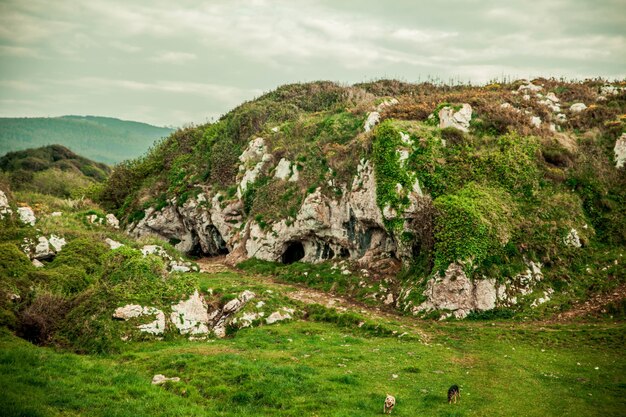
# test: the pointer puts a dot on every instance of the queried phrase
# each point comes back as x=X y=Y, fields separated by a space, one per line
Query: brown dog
x=390 y=402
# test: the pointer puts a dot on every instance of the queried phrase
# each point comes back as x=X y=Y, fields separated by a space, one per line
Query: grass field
x=315 y=368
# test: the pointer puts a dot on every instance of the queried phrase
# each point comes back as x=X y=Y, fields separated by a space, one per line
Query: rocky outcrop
x=190 y=316
x=27 y=215
x=454 y=292
x=131 y=311
x=459 y=119
x=220 y=318
x=200 y=226
x=44 y=249
x=350 y=227
x=112 y=221
x=5 y=208
x=620 y=151
x=572 y=239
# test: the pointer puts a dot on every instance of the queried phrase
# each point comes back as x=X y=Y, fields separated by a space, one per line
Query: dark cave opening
x=293 y=253
x=216 y=245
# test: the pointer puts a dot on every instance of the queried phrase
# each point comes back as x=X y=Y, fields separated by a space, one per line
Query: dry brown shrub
x=39 y=321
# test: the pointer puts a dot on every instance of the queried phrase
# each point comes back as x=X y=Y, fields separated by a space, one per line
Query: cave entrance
x=215 y=244
x=293 y=253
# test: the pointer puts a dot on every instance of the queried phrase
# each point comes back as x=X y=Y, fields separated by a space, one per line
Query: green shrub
x=471 y=225
x=13 y=262
x=83 y=253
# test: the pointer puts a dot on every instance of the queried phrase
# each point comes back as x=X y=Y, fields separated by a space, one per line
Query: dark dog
x=453 y=394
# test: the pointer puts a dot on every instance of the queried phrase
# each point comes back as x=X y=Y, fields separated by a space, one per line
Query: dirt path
x=594 y=305
x=307 y=295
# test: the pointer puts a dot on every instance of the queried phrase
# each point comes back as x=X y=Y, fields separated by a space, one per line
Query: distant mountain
x=102 y=139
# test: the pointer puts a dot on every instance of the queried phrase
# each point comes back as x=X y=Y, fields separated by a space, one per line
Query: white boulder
x=577 y=107
x=57 y=242
x=112 y=221
x=572 y=239
x=535 y=121
x=460 y=119
x=372 y=119
x=191 y=316
x=131 y=311
x=162 y=379
x=283 y=314
x=283 y=169
x=112 y=243
x=27 y=215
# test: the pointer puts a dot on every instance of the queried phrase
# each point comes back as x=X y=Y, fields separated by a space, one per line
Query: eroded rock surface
x=620 y=151
x=27 y=215
x=456 y=293
x=459 y=119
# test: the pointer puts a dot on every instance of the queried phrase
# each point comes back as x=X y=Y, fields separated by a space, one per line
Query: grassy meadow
x=316 y=366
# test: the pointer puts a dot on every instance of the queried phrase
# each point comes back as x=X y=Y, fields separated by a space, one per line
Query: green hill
x=52 y=170
x=103 y=139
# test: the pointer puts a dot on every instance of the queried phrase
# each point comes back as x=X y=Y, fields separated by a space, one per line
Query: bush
x=83 y=253
x=471 y=225
x=39 y=321
x=13 y=262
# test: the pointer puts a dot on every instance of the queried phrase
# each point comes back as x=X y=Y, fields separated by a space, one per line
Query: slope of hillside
x=102 y=139
x=453 y=200
x=52 y=169
x=107 y=314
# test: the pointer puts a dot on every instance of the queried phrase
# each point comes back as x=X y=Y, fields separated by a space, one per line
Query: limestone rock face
x=27 y=215
x=460 y=119
x=372 y=120
x=197 y=224
x=112 y=243
x=220 y=318
x=351 y=226
x=131 y=311
x=112 y=221
x=620 y=151
x=5 y=208
x=456 y=293
x=284 y=314
x=325 y=228
x=253 y=160
x=190 y=316
x=572 y=239
x=45 y=248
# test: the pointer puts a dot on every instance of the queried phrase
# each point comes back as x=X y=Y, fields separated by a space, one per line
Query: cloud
x=19 y=51
x=227 y=94
x=192 y=58
x=173 y=57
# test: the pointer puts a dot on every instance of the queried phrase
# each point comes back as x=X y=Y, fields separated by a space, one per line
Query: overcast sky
x=176 y=62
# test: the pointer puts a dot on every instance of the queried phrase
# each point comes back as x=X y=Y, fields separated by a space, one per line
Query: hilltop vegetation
x=531 y=178
x=102 y=139
x=53 y=170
